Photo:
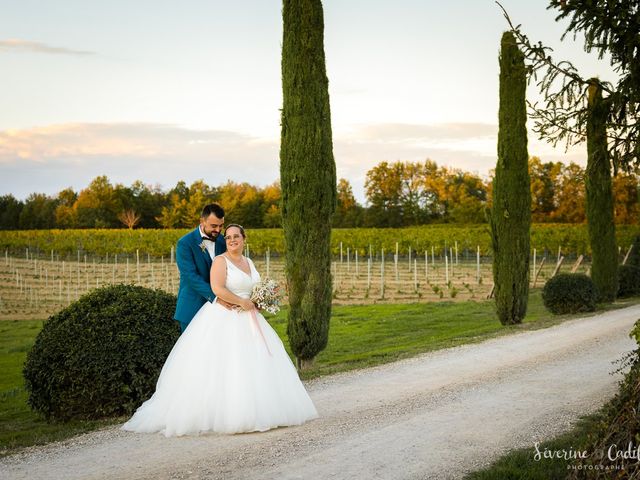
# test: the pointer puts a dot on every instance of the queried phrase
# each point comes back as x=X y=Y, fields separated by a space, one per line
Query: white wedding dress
x=224 y=375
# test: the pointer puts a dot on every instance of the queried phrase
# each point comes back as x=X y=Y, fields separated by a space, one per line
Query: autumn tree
x=66 y=214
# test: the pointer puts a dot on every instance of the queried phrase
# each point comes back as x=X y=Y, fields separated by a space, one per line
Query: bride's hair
x=239 y=227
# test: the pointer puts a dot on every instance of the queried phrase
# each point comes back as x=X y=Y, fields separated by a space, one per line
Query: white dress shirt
x=210 y=246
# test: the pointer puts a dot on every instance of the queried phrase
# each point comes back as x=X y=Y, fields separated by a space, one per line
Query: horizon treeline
x=398 y=194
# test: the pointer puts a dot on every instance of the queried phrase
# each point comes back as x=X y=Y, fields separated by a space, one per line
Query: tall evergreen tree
x=308 y=177
x=511 y=213
x=602 y=231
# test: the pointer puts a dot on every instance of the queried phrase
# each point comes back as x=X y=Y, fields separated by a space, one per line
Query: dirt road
x=434 y=416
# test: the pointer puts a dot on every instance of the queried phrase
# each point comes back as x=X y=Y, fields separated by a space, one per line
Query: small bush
x=101 y=356
x=628 y=281
x=569 y=293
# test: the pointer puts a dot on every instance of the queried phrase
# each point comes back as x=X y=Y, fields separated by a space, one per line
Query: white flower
x=266 y=296
x=202 y=246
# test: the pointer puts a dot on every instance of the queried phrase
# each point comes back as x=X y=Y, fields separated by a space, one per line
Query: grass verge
x=524 y=464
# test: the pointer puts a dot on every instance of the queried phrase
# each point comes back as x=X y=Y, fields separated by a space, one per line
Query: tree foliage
x=308 y=176
x=609 y=28
x=602 y=232
x=510 y=215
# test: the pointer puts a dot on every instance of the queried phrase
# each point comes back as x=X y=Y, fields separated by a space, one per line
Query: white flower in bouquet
x=266 y=296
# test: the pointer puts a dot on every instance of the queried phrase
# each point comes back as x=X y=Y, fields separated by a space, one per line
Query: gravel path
x=438 y=415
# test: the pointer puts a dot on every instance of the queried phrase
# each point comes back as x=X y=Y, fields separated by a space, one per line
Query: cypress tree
x=511 y=213
x=308 y=178
x=602 y=232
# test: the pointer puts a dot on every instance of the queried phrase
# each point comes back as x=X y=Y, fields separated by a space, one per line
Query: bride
x=227 y=372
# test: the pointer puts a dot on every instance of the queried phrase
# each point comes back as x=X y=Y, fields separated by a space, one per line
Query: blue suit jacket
x=195 y=266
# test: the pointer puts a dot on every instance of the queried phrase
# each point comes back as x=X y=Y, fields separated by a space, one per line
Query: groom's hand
x=225 y=304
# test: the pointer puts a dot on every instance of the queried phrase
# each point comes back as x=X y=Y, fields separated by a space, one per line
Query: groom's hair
x=212 y=208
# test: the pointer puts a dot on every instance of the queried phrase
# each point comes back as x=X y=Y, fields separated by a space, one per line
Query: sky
x=164 y=91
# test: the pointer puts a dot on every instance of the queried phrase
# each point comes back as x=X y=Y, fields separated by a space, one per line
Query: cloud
x=17 y=45
x=48 y=159
x=135 y=140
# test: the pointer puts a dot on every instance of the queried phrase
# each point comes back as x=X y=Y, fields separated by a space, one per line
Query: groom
x=194 y=257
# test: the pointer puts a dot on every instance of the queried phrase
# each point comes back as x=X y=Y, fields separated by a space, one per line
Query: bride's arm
x=218 y=285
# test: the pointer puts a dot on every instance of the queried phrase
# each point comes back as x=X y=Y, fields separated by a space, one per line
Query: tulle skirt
x=224 y=375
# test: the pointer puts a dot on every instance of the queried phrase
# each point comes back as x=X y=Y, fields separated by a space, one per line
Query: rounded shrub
x=101 y=356
x=569 y=293
x=628 y=281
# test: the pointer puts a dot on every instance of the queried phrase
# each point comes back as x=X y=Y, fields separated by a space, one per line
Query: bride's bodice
x=238 y=281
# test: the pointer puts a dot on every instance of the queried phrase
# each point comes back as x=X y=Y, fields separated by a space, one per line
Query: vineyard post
x=456 y=253
x=369 y=273
x=451 y=262
x=559 y=253
x=113 y=274
x=35 y=267
x=533 y=272
x=446 y=268
x=153 y=277
x=268 y=260
x=357 y=269
x=126 y=272
x=68 y=293
x=63 y=267
x=382 y=273
x=348 y=260
x=369 y=251
x=415 y=275
x=78 y=257
x=51 y=255
x=340 y=252
x=426 y=265
x=335 y=276
x=27 y=254
x=138 y=266
x=60 y=291
x=478 y=264
x=115 y=264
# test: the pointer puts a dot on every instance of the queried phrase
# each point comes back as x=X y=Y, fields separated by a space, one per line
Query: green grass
x=522 y=463
x=19 y=426
x=360 y=336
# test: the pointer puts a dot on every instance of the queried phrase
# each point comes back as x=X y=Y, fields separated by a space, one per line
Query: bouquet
x=266 y=296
